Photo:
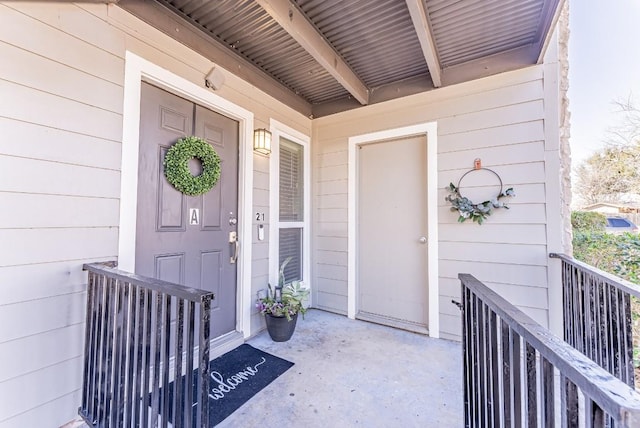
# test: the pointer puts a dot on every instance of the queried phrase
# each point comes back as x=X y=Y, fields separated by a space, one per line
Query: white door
x=391 y=233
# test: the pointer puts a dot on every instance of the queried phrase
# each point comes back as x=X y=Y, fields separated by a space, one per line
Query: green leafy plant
x=176 y=166
x=616 y=254
x=588 y=221
x=478 y=213
x=285 y=300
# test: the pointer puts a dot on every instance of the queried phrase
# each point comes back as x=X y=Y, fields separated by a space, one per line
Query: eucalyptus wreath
x=176 y=166
x=475 y=212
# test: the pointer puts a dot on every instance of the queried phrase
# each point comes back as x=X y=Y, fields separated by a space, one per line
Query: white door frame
x=138 y=69
x=430 y=131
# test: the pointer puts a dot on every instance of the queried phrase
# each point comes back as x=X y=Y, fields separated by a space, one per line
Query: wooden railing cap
x=181 y=291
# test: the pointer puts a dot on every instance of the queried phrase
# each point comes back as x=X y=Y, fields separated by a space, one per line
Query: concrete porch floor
x=351 y=373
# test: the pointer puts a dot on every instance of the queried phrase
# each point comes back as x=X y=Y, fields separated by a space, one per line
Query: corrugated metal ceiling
x=377 y=39
x=248 y=30
x=468 y=30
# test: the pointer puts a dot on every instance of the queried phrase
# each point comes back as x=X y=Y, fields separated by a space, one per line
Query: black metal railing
x=140 y=336
x=518 y=374
x=597 y=316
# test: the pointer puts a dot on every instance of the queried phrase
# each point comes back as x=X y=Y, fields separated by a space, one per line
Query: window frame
x=278 y=131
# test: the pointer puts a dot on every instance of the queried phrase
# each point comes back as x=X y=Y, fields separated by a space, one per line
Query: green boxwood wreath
x=176 y=166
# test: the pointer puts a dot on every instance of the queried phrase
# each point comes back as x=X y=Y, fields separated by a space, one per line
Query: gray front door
x=179 y=238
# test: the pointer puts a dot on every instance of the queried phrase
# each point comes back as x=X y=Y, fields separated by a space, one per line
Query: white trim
x=138 y=69
x=278 y=130
x=554 y=202
x=430 y=130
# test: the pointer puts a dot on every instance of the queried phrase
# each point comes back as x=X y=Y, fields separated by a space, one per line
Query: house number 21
x=259 y=216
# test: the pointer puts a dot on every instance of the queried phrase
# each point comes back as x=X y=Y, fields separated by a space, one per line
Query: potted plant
x=282 y=305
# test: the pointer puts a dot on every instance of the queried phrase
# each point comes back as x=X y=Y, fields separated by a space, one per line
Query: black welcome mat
x=235 y=377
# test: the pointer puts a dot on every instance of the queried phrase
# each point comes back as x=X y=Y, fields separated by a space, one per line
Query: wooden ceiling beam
x=490 y=65
x=298 y=26
x=391 y=91
x=422 y=25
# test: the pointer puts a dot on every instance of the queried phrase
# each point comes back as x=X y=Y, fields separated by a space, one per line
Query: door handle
x=234 y=257
x=422 y=240
x=233 y=239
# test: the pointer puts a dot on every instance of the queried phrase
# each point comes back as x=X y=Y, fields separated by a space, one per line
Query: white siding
x=62 y=83
x=499 y=119
x=260 y=268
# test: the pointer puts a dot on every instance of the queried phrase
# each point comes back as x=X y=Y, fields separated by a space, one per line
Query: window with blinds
x=291 y=184
x=291 y=194
x=291 y=246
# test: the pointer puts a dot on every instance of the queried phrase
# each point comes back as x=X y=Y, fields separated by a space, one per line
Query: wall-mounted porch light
x=262 y=141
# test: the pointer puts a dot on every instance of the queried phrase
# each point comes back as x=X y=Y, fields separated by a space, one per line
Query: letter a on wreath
x=176 y=166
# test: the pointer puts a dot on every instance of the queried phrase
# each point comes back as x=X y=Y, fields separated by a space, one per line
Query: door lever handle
x=233 y=239
x=234 y=257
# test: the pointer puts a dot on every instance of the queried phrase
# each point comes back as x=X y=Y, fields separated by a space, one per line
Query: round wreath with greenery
x=176 y=166
x=476 y=212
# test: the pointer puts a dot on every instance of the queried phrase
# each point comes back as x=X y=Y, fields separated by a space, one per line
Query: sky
x=604 y=66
